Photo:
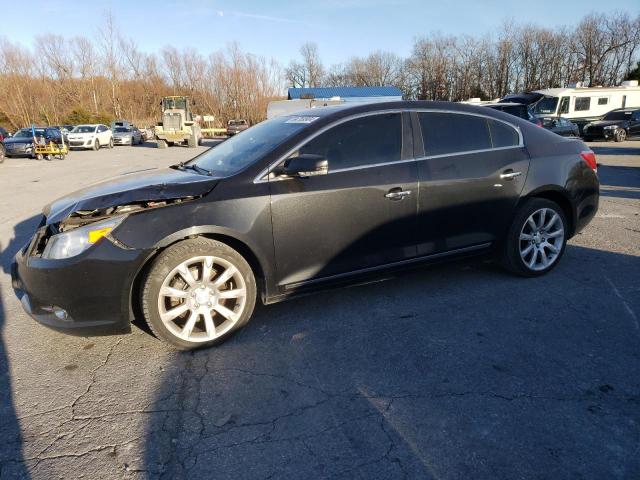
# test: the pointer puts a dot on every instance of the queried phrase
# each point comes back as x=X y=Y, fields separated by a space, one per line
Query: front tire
x=197 y=293
x=621 y=135
x=536 y=239
x=96 y=145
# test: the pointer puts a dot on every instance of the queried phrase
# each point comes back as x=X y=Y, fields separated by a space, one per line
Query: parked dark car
x=617 y=125
x=517 y=109
x=65 y=129
x=4 y=134
x=560 y=126
x=21 y=143
x=236 y=126
x=301 y=202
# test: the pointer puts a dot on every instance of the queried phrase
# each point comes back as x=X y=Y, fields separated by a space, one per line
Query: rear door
x=471 y=176
x=358 y=216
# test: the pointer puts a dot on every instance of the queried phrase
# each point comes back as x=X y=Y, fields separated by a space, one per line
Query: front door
x=358 y=216
x=470 y=180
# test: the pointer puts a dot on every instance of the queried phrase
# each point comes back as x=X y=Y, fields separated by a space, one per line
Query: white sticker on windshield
x=301 y=119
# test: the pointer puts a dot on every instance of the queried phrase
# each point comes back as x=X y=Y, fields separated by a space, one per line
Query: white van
x=582 y=105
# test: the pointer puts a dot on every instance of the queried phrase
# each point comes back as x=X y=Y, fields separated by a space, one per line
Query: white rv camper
x=582 y=105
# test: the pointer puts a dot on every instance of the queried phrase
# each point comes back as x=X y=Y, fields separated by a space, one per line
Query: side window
x=445 y=133
x=367 y=140
x=603 y=101
x=582 y=104
x=564 y=105
x=502 y=135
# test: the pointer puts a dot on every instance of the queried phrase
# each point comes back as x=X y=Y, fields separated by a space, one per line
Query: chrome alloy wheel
x=202 y=298
x=541 y=239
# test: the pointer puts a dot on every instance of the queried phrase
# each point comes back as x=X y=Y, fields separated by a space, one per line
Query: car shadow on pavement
x=454 y=371
x=11 y=458
x=22 y=232
x=619 y=181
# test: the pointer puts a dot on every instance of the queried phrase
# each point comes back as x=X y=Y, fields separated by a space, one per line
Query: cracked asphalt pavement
x=450 y=372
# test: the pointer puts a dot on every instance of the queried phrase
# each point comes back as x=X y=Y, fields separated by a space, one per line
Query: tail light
x=590 y=158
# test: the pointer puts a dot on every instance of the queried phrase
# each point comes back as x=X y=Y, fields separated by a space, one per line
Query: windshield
x=122 y=130
x=84 y=129
x=237 y=122
x=242 y=150
x=174 y=103
x=617 y=116
x=546 y=106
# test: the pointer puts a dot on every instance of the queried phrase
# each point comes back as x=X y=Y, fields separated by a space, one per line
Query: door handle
x=509 y=175
x=397 y=194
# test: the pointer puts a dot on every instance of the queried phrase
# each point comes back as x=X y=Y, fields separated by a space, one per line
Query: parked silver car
x=127 y=136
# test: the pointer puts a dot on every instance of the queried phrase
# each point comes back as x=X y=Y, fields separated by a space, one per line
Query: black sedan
x=21 y=143
x=560 y=126
x=301 y=202
x=616 y=125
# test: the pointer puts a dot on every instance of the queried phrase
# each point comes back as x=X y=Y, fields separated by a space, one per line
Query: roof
x=333 y=112
x=329 y=92
x=557 y=92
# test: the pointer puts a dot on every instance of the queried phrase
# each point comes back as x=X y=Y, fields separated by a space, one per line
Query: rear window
x=445 y=133
x=503 y=135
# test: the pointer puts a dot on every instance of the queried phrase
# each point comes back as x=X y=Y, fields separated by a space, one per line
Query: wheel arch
x=212 y=233
x=556 y=195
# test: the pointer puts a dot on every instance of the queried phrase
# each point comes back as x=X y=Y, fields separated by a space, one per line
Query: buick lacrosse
x=300 y=202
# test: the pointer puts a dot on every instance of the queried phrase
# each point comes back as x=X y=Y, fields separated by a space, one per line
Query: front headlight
x=611 y=127
x=74 y=242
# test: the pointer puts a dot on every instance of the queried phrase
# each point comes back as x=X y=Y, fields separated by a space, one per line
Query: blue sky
x=277 y=28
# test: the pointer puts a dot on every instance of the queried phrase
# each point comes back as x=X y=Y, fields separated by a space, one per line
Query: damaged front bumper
x=89 y=294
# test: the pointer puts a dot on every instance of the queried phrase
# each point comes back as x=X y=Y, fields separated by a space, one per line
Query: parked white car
x=91 y=136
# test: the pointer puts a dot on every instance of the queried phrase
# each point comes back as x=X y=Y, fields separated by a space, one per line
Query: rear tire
x=197 y=293
x=536 y=239
x=2 y=153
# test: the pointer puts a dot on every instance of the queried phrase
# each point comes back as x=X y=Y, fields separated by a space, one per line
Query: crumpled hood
x=141 y=186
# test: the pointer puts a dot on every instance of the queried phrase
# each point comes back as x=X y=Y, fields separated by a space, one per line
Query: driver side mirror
x=306 y=165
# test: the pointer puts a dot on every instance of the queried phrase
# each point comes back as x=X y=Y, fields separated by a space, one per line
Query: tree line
x=599 y=50
x=76 y=80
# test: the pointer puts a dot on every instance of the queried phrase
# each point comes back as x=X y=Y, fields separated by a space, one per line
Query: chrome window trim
x=468 y=152
x=473 y=114
x=260 y=178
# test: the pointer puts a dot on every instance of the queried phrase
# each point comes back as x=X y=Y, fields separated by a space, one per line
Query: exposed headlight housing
x=74 y=242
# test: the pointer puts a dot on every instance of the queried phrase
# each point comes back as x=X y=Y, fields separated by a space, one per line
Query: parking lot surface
x=452 y=372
